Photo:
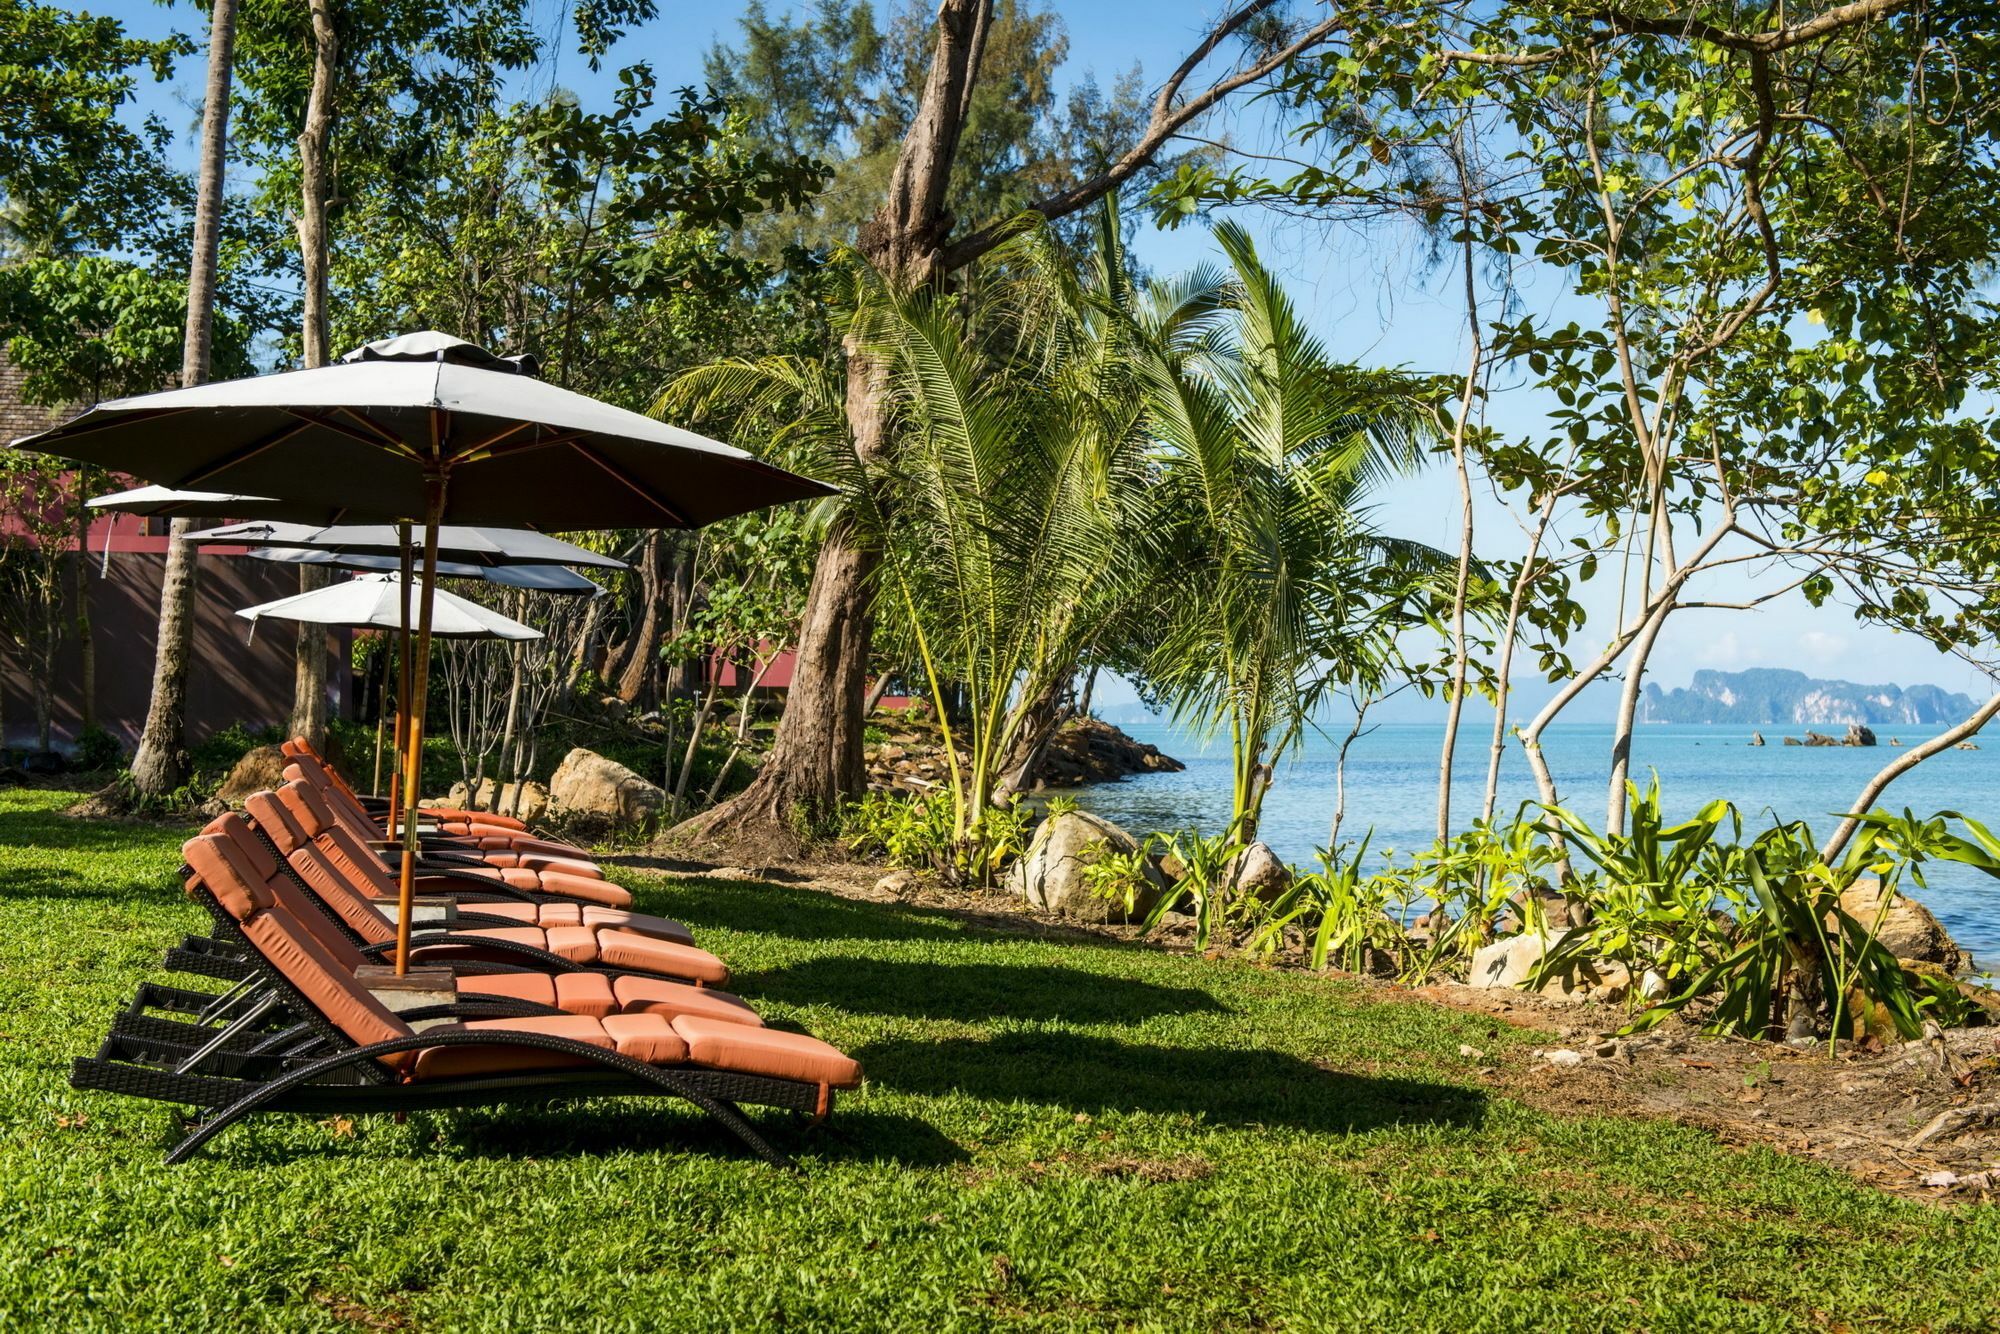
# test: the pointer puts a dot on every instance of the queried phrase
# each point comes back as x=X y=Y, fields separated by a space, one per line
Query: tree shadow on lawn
x=973 y=992
x=1246 y=1087
x=800 y=914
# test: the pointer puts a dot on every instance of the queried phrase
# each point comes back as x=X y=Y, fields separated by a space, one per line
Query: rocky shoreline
x=910 y=757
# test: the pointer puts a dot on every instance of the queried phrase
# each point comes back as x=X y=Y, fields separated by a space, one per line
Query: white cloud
x=1726 y=651
x=1820 y=645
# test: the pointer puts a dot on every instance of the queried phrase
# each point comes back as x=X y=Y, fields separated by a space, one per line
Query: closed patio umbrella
x=430 y=428
x=456 y=543
x=533 y=578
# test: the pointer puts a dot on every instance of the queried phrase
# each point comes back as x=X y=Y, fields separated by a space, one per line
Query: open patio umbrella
x=164 y=502
x=552 y=579
x=427 y=427
x=457 y=543
x=459 y=546
x=375 y=602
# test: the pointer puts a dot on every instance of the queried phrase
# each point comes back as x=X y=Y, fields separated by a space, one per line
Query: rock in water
x=262 y=770
x=1793 y=741
x=1859 y=734
x=1908 y=930
x=1257 y=870
x=1756 y=738
x=597 y=795
x=1049 y=875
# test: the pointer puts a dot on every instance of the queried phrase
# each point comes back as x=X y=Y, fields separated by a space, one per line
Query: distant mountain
x=1775 y=695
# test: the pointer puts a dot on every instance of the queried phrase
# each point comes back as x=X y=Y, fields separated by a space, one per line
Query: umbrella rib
x=375 y=440
x=479 y=448
x=680 y=520
x=237 y=456
x=111 y=420
x=488 y=450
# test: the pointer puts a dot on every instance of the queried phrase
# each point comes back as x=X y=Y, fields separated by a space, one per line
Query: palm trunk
x=641 y=661
x=161 y=763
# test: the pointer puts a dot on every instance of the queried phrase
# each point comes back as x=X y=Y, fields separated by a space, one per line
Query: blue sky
x=1366 y=296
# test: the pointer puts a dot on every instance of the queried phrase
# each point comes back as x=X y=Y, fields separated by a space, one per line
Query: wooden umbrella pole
x=406 y=890
x=402 y=678
x=382 y=711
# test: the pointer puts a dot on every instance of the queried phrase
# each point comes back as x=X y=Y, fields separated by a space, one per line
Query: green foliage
x=1204 y=884
x=1117 y=877
x=1754 y=930
x=73 y=173
x=835 y=82
x=914 y=832
x=1344 y=913
x=98 y=749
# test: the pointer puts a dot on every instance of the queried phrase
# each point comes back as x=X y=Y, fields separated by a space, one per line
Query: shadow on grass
x=973 y=992
x=1245 y=1087
x=548 y=1132
x=793 y=913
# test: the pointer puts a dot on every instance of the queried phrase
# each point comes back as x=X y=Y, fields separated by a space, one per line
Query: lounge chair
x=308 y=806
x=456 y=836
x=378 y=807
x=355 y=908
x=331 y=860
x=361 y=1056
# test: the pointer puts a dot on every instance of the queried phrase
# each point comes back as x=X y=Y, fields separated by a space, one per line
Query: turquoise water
x=1392 y=787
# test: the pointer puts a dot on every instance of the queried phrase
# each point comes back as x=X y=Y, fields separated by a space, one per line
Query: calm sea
x=1392 y=788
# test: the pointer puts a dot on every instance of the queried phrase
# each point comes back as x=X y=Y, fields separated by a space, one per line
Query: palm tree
x=1269 y=450
x=161 y=763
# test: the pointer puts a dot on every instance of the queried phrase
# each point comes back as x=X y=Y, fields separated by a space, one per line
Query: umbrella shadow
x=1242 y=1087
x=974 y=992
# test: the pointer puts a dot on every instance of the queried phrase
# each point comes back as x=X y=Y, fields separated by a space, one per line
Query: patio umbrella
x=534 y=578
x=164 y=502
x=551 y=579
x=427 y=427
x=458 y=545
x=375 y=602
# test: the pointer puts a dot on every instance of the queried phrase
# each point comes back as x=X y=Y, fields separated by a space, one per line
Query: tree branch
x=1168 y=117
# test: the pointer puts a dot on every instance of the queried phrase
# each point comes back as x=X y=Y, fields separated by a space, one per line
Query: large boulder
x=1508 y=963
x=262 y=770
x=1256 y=870
x=1908 y=930
x=594 y=794
x=1049 y=876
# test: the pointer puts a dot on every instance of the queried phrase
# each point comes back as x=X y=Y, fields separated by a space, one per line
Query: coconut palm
x=1269 y=450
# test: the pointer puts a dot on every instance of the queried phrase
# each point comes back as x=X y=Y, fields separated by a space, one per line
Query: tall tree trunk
x=161 y=763
x=1628 y=712
x=309 y=652
x=816 y=760
x=1504 y=670
x=816 y=763
x=641 y=665
x=1460 y=651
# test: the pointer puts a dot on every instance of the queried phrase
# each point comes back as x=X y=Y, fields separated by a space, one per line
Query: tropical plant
x=1269 y=450
x=1204 y=884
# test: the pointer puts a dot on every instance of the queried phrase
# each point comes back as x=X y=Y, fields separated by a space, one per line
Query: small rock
x=1608 y=1049
x=1470 y=1052
x=1941 y=1180
x=1653 y=986
x=598 y=793
x=898 y=882
x=1908 y=929
x=1562 y=1056
x=1258 y=870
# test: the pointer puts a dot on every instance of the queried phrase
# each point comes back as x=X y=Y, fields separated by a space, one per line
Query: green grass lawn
x=1061 y=1134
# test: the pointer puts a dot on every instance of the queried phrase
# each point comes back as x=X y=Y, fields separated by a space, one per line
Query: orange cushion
x=646 y=1037
x=585 y=993
x=663 y=928
x=578 y=944
x=537 y=987
x=766 y=1051
x=628 y=949
x=656 y=995
x=601 y=892
x=456 y=1062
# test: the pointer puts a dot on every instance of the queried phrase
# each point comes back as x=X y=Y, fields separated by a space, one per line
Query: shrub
x=98 y=749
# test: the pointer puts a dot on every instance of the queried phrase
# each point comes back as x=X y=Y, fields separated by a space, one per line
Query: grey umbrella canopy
x=534 y=578
x=423 y=423
x=458 y=544
x=427 y=426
